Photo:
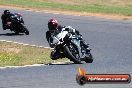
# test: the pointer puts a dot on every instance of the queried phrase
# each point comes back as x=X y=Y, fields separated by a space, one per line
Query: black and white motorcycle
x=71 y=46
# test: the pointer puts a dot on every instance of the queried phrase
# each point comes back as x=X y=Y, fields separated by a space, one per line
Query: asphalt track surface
x=110 y=40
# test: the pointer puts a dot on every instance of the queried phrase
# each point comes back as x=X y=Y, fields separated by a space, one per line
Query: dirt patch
x=9 y=50
x=58 y=11
x=69 y=2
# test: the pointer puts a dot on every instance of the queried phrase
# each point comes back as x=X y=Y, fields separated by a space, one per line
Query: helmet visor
x=51 y=27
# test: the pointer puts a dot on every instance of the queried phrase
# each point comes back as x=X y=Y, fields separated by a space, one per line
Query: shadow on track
x=11 y=34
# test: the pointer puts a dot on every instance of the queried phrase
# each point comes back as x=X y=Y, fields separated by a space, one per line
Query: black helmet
x=6 y=12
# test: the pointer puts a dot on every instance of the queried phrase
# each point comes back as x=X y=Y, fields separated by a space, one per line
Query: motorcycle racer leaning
x=7 y=17
x=54 y=29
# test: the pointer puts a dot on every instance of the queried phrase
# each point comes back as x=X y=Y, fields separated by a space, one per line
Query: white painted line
x=67 y=62
x=23 y=44
x=34 y=65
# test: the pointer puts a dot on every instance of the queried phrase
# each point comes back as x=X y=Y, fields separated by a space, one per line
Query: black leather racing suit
x=5 y=19
x=8 y=18
x=50 y=35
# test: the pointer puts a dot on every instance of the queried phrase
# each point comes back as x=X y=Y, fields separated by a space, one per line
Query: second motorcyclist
x=7 y=18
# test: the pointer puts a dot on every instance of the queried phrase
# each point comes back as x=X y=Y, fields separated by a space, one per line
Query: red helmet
x=52 y=24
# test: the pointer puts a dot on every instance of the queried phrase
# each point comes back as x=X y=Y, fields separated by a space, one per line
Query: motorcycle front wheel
x=73 y=56
x=25 y=30
x=89 y=58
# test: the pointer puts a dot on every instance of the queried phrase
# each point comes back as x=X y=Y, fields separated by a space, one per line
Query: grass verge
x=85 y=7
x=18 y=55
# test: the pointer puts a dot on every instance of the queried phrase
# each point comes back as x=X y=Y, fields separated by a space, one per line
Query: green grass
x=80 y=6
x=18 y=55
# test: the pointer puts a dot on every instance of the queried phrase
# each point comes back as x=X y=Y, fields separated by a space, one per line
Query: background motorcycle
x=70 y=46
x=17 y=25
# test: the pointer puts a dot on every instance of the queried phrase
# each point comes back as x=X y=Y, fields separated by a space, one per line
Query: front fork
x=78 y=45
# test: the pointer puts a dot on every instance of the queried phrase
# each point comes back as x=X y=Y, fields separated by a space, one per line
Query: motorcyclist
x=54 y=29
x=7 y=17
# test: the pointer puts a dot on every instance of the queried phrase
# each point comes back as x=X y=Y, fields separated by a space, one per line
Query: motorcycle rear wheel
x=16 y=32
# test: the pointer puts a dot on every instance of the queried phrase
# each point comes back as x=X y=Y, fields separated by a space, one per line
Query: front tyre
x=89 y=58
x=70 y=55
x=25 y=30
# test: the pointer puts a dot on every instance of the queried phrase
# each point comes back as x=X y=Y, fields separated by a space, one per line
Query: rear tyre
x=54 y=55
x=71 y=56
x=16 y=32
